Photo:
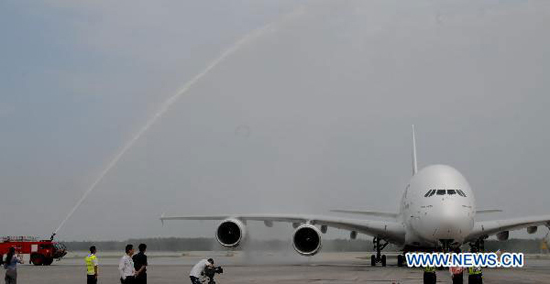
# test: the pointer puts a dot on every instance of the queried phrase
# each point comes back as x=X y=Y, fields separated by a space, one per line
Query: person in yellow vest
x=91 y=266
x=429 y=275
x=474 y=275
x=544 y=244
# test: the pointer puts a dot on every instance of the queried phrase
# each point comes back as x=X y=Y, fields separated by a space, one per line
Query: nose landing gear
x=446 y=244
x=378 y=258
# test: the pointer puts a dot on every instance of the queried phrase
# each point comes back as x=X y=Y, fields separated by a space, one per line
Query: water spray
x=247 y=38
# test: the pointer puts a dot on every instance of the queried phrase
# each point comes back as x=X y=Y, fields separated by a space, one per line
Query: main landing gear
x=478 y=245
x=400 y=260
x=378 y=246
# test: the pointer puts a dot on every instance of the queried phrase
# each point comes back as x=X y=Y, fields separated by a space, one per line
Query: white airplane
x=546 y=240
x=437 y=213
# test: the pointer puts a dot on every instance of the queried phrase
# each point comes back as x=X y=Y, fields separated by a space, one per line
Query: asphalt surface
x=273 y=268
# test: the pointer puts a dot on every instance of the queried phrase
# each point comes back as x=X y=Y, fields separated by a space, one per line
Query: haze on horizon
x=312 y=115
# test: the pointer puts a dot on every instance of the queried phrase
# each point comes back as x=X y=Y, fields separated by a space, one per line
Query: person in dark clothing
x=474 y=275
x=429 y=275
x=140 y=264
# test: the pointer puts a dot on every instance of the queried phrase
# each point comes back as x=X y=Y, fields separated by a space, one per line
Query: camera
x=210 y=272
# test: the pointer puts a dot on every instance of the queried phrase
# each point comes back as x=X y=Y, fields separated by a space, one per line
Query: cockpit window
x=432 y=192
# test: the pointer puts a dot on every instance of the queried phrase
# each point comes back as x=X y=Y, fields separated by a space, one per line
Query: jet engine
x=230 y=233
x=503 y=236
x=307 y=240
x=532 y=229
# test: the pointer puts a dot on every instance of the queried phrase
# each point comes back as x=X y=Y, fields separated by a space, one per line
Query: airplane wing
x=488 y=228
x=388 y=230
x=368 y=213
x=487 y=211
x=395 y=215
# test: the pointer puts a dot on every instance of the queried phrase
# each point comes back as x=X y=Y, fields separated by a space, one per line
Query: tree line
x=336 y=245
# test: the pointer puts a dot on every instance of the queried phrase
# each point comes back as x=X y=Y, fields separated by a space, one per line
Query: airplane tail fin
x=414 y=163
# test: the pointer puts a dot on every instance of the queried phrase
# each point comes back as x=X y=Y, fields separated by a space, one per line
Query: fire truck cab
x=41 y=252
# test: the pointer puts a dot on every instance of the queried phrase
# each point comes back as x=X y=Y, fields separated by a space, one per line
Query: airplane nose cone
x=447 y=226
x=453 y=222
x=449 y=221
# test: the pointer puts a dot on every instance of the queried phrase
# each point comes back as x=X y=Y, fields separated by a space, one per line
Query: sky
x=313 y=113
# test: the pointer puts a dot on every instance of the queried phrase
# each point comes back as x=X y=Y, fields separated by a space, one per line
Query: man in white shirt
x=198 y=269
x=126 y=266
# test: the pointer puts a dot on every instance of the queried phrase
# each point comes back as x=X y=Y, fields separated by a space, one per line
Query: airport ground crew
x=91 y=266
x=457 y=274
x=429 y=275
x=474 y=275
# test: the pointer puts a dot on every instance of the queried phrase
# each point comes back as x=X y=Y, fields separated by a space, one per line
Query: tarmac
x=277 y=268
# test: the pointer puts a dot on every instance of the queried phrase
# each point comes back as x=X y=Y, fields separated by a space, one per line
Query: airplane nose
x=447 y=226
x=451 y=221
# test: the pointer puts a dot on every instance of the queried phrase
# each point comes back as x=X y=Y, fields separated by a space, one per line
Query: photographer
x=199 y=268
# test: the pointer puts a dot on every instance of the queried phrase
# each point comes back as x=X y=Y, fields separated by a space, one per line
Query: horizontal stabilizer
x=368 y=213
x=488 y=211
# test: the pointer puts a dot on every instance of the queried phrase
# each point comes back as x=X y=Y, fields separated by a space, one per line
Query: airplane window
x=428 y=193
x=463 y=194
x=451 y=191
x=433 y=192
x=440 y=192
x=460 y=193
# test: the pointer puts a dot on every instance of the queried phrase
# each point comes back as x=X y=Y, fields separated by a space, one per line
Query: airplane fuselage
x=437 y=205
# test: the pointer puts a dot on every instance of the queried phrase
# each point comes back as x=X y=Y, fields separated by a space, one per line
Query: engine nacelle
x=307 y=240
x=503 y=236
x=532 y=229
x=230 y=233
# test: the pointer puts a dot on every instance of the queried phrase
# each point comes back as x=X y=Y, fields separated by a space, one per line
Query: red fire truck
x=42 y=252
